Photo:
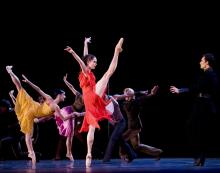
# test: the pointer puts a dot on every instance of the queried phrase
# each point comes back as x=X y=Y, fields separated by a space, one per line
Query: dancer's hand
x=144 y=92
x=69 y=49
x=174 y=89
x=36 y=120
x=9 y=68
x=25 y=79
x=78 y=114
x=154 y=90
x=87 y=40
x=65 y=78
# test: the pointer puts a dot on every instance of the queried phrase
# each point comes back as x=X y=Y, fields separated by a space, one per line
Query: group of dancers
x=95 y=105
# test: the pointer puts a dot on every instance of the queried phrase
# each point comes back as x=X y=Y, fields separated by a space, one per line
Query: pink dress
x=65 y=127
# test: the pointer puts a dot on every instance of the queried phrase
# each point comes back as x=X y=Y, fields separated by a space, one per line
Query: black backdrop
x=160 y=50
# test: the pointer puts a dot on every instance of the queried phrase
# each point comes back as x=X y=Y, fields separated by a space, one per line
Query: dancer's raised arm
x=69 y=85
x=35 y=87
x=78 y=59
x=85 y=49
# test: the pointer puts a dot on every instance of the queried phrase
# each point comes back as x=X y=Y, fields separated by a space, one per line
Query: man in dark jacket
x=205 y=91
x=132 y=107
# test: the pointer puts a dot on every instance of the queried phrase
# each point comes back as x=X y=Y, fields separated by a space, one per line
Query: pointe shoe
x=119 y=45
x=88 y=160
x=120 y=42
x=158 y=157
x=9 y=68
x=32 y=156
x=70 y=156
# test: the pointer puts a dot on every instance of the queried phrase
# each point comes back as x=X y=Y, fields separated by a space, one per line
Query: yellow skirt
x=27 y=109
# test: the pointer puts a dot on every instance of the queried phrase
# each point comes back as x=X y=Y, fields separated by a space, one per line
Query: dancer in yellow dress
x=27 y=109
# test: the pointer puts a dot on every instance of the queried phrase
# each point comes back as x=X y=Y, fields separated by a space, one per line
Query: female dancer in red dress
x=93 y=94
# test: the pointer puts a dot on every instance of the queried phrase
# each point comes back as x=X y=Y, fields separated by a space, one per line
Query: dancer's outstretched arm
x=35 y=87
x=176 y=90
x=120 y=96
x=123 y=96
x=79 y=114
x=78 y=59
x=69 y=85
x=64 y=118
x=42 y=119
x=85 y=49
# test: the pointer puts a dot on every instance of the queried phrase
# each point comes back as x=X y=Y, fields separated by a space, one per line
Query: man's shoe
x=200 y=161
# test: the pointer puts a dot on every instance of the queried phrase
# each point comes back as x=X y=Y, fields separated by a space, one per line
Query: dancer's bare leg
x=102 y=83
x=69 y=143
x=14 y=78
x=90 y=140
x=31 y=154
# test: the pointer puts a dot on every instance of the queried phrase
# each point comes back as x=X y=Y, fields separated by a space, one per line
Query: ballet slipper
x=88 y=160
x=9 y=69
x=32 y=156
x=70 y=156
x=158 y=157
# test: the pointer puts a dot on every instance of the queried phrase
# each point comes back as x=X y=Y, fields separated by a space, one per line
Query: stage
x=168 y=165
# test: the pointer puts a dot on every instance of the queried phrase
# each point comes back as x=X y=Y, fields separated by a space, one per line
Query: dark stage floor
x=168 y=165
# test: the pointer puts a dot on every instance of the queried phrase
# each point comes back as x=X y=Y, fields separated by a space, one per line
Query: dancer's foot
x=130 y=157
x=119 y=45
x=124 y=157
x=88 y=160
x=11 y=92
x=32 y=156
x=158 y=157
x=70 y=156
x=9 y=68
x=200 y=161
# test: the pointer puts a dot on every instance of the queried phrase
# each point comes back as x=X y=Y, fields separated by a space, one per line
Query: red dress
x=95 y=106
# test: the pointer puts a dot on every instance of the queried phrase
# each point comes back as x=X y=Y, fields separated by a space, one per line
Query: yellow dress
x=27 y=109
